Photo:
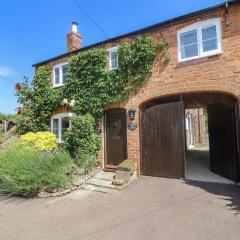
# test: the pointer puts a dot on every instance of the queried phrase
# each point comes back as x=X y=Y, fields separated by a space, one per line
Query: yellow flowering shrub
x=44 y=141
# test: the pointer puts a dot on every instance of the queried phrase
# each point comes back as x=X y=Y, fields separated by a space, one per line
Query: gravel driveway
x=150 y=208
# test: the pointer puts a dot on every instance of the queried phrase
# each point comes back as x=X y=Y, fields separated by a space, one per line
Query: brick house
x=204 y=71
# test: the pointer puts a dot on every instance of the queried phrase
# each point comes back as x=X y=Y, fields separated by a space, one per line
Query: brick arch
x=166 y=91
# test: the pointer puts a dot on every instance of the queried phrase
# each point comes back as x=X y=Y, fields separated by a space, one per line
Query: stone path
x=198 y=166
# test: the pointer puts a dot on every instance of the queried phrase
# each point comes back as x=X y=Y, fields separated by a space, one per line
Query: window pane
x=208 y=33
x=114 y=60
x=56 y=73
x=189 y=51
x=189 y=45
x=65 y=73
x=55 y=127
x=65 y=124
x=210 y=45
x=189 y=38
x=209 y=36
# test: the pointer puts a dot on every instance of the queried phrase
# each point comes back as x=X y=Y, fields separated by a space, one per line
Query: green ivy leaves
x=90 y=82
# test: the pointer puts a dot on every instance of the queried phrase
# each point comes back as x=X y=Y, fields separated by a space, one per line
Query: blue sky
x=32 y=31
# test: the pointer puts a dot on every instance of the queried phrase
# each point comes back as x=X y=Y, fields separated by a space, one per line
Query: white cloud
x=5 y=71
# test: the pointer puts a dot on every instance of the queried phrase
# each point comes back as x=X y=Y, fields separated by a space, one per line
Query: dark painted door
x=116 y=137
x=162 y=144
x=223 y=140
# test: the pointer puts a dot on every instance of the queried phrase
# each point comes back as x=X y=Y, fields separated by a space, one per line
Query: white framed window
x=60 y=74
x=113 y=58
x=200 y=40
x=60 y=123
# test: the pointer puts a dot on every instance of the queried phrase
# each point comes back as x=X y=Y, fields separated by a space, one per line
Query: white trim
x=111 y=50
x=59 y=117
x=60 y=84
x=198 y=27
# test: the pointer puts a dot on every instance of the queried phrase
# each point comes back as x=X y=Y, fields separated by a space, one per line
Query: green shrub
x=24 y=171
x=1 y=133
x=87 y=161
x=44 y=141
x=82 y=139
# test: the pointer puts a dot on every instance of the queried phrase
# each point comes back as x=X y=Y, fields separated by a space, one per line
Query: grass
x=24 y=171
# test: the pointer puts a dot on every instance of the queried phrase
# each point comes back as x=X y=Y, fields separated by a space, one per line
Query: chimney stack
x=74 y=39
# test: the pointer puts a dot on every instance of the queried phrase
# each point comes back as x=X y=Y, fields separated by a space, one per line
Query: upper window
x=60 y=74
x=60 y=123
x=200 y=40
x=113 y=58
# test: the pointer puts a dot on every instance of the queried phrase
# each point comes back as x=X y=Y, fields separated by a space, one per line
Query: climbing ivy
x=90 y=83
x=93 y=85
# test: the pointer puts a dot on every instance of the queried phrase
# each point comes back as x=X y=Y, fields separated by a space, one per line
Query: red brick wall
x=219 y=73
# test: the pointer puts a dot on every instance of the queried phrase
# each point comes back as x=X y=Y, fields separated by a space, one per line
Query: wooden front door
x=162 y=145
x=223 y=140
x=115 y=137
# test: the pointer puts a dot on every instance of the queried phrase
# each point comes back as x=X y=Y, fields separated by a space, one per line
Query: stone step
x=93 y=188
x=108 y=176
x=103 y=184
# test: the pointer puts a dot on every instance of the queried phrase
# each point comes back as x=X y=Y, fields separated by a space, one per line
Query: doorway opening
x=192 y=136
x=197 y=158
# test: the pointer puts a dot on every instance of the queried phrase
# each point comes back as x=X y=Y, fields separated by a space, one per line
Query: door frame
x=107 y=167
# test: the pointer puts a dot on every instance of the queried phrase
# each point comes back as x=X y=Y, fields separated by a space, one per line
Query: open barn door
x=223 y=140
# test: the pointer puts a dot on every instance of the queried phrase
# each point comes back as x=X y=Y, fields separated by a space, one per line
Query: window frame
x=60 y=67
x=198 y=27
x=59 y=118
x=110 y=51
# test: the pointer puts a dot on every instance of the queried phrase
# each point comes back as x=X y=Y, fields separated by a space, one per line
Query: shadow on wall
x=228 y=192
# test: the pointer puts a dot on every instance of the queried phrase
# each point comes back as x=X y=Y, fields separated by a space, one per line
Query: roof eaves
x=163 y=24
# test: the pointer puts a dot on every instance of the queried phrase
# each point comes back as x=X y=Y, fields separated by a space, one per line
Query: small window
x=200 y=40
x=60 y=75
x=60 y=123
x=113 y=58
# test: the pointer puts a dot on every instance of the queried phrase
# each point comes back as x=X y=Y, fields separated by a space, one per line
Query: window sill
x=201 y=57
x=58 y=86
x=112 y=69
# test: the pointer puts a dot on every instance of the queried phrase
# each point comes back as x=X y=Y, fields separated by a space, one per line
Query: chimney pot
x=74 y=27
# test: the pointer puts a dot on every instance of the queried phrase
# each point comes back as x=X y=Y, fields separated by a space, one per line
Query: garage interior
x=209 y=142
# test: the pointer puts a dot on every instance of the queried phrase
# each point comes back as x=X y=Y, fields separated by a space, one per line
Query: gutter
x=161 y=25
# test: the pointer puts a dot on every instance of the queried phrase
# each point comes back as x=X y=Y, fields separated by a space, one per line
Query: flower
x=27 y=121
x=18 y=86
x=65 y=101
x=72 y=103
x=70 y=114
x=29 y=96
x=19 y=111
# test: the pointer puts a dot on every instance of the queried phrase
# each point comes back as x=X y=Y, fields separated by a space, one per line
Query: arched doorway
x=163 y=135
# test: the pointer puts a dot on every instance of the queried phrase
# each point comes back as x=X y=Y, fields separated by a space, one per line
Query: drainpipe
x=226 y=14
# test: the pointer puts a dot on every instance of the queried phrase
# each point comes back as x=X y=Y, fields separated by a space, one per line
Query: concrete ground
x=150 y=208
x=198 y=166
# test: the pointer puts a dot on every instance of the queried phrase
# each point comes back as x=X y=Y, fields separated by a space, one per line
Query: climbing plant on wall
x=93 y=85
x=90 y=83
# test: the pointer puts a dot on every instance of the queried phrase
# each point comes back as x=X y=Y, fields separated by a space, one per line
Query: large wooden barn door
x=223 y=140
x=115 y=137
x=162 y=134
